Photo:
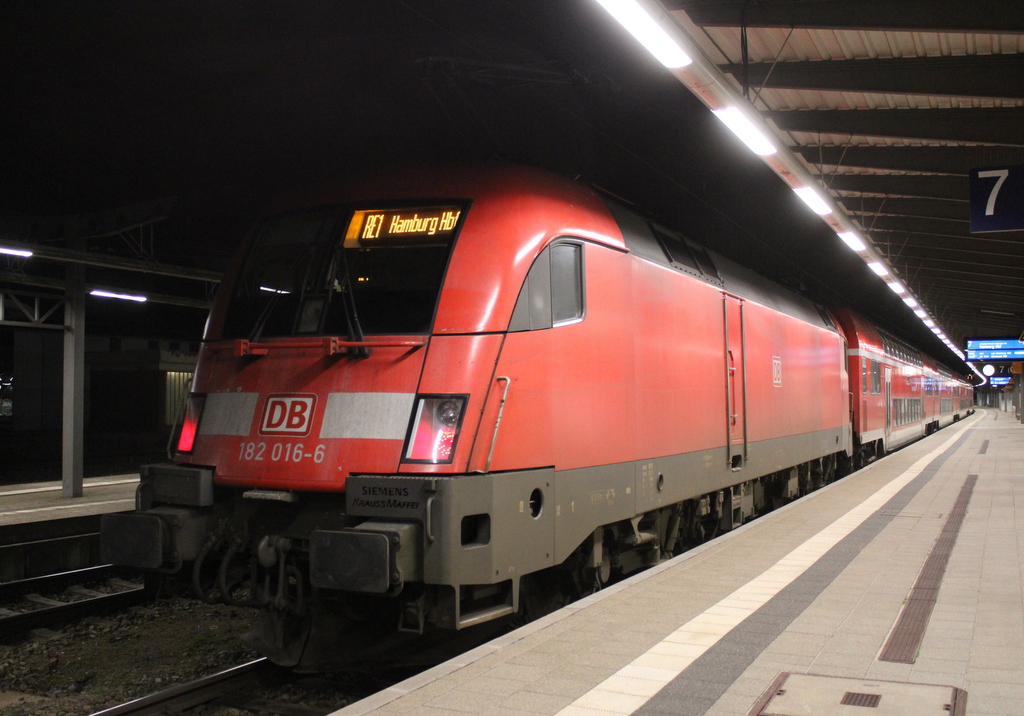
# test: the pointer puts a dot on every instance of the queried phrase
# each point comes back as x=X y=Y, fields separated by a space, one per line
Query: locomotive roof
x=641 y=239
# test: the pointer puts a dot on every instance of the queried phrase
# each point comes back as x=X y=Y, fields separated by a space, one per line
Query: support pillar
x=74 y=383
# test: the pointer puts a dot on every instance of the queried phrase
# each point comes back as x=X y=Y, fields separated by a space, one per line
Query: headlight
x=436 y=422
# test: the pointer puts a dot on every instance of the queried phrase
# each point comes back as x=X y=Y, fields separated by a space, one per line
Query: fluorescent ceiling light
x=813 y=200
x=273 y=290
x=15 y=252
x=648 y=32
x=910 y=301
x=920 y=314
x=895 y=286
x=930 y=323
x=936 y=330
x=122 y=296
x=851 y=240
x=878 y=268
x=734 y=119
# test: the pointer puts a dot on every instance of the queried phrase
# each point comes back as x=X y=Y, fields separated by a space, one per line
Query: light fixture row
x=657 y=31
x=24 y=253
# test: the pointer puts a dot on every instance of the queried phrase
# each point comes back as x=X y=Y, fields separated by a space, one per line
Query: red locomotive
x=426 y=400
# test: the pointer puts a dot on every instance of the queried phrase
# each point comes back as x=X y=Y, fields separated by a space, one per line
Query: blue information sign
x=999 y=381
x=995 y=349
x=997 y=199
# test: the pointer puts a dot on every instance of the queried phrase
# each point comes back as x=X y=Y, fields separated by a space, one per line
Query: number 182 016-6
x=279 y=452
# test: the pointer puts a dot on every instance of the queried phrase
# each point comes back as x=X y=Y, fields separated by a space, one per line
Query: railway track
x=54 y=599
x=231 y=687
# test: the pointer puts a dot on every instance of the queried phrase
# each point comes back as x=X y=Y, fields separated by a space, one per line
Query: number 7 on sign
x=990 y=207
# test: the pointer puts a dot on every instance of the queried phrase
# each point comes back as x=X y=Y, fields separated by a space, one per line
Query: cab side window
x=553 y=294
x=566 y=283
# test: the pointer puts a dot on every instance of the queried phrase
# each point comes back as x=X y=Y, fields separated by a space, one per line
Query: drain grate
x=852 y=698
x=906 y=635
x=803 y=694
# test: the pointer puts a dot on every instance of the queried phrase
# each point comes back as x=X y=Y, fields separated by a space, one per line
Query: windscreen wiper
x=348 y=299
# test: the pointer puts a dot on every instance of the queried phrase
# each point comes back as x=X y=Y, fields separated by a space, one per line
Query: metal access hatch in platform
x=811 y=695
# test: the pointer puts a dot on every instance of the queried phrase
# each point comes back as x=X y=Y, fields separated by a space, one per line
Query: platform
x=897 y=588
x=42 y=501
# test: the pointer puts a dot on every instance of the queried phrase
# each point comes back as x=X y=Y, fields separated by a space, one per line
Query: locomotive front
x=347 y=365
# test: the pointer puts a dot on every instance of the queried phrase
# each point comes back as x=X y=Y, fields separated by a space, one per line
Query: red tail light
x=190 y=424
x=435 y=428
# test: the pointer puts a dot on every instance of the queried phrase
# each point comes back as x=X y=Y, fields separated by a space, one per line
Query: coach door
x=888 y=404
x=735 y=381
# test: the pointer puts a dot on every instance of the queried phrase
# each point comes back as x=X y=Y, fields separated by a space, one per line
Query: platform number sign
x=997 y=199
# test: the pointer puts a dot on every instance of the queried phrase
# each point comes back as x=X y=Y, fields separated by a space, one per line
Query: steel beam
x=964 y=237
x=913 y=208
x=883 y=224
x=995 y=16
x=1013 y=275
x=963 y=75
x=992 y=125
x=17 y=279
x=906 y=253
x=88 y=258
x=938 y=245
x=938 y=160
x=911 y=185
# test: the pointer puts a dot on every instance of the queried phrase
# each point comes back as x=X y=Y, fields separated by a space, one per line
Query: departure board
x=415 y=226
x=995 y=349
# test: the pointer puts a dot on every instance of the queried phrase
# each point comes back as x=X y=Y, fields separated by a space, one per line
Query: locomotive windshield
x=335 y=272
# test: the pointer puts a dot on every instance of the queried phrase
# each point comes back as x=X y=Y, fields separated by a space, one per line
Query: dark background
x=225 y=105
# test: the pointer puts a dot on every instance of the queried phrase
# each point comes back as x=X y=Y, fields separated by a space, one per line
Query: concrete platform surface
x=906 y=572
x=43 y=501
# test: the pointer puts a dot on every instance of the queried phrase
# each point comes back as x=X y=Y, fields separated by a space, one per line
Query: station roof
x=226 y=105
x=890 y=105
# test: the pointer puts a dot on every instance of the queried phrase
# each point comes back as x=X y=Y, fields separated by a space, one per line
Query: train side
x=898 y=394
x=422 y=400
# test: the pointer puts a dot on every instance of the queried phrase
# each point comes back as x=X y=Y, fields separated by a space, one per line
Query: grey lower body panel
x=537 y=518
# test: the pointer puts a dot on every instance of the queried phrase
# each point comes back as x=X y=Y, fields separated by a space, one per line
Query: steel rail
x=50 y=616
x=13 y=589
x=194 y=693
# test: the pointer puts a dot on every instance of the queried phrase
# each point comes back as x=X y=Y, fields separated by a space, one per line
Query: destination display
x=995 y=349
x=416 y=226
x=999 y=380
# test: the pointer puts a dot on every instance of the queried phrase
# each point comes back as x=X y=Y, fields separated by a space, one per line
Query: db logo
x=288 y=415
x=776 y=371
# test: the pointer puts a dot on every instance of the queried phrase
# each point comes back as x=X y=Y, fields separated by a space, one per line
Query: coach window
x=876 y=378
x=553 y=294
x=863 y=375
